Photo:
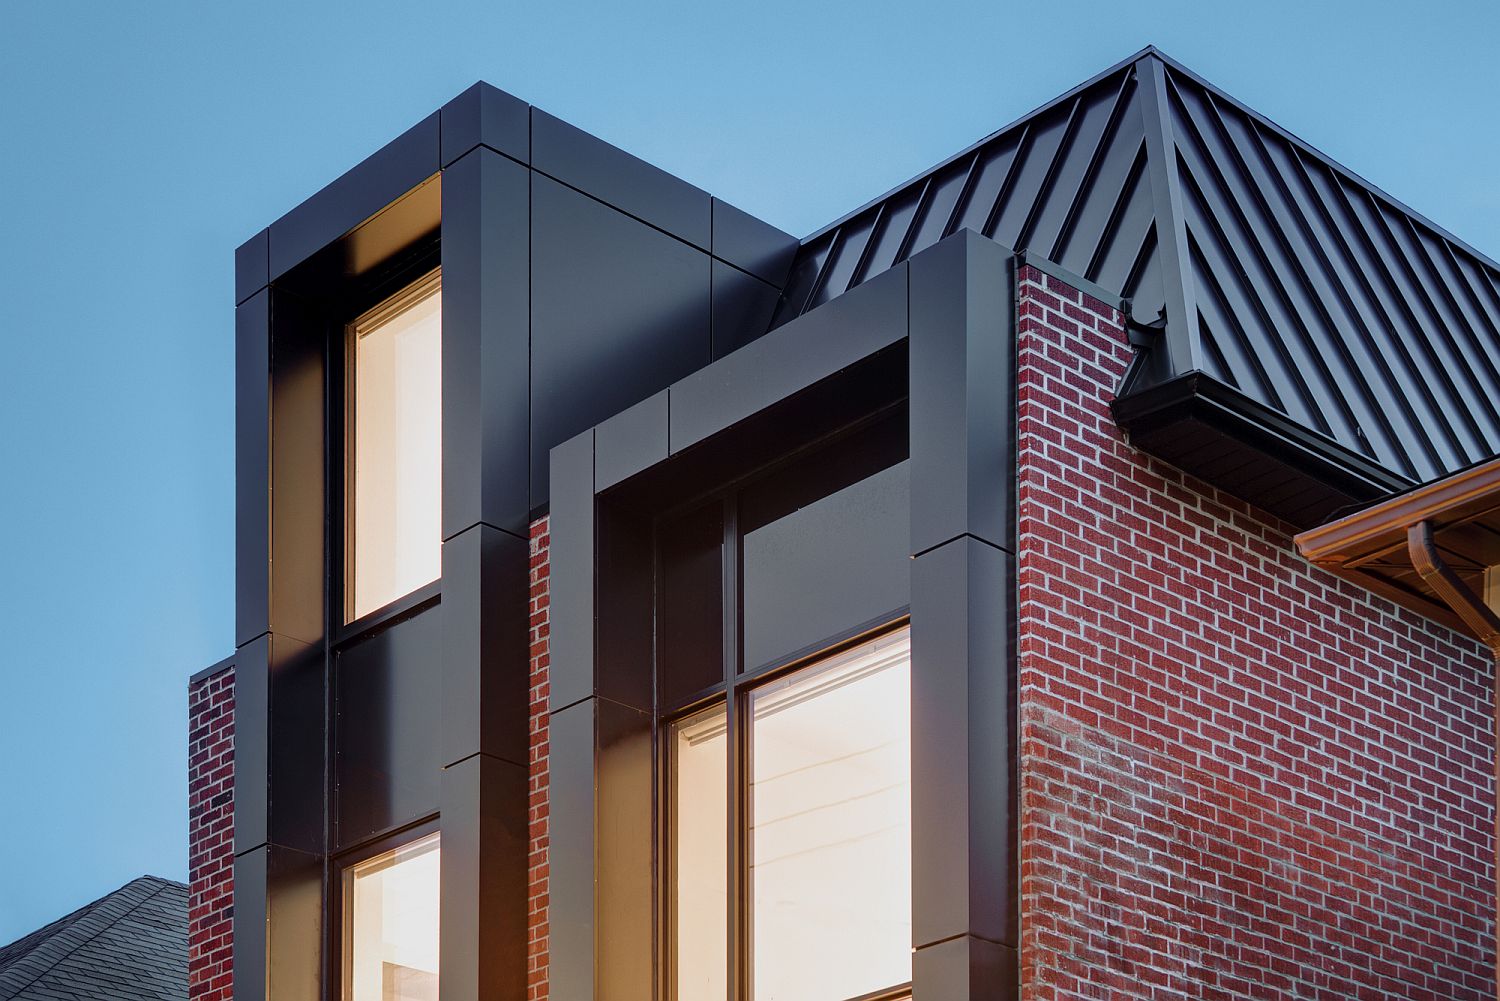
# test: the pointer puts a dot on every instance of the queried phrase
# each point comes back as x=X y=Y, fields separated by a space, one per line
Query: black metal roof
x=129 y=945
x=1345 y=330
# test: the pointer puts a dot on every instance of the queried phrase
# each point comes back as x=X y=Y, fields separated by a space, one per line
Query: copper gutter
x=1485 y=625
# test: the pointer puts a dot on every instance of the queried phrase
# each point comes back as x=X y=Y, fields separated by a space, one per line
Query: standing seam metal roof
x=1283 y=276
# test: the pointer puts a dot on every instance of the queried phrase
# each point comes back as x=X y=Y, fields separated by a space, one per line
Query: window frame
x=733 y=691
x=337 y=938
x=735 y=696
x=418 y=279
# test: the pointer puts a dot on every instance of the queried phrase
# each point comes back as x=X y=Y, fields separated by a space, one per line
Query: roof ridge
x=78 y=920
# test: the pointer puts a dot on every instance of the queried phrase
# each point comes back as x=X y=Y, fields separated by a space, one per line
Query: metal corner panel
x=486 y=116
x=752 y=245
x=631 y=441
x=572 y=864
x=485 y=665
x=252 y=467
x=573 y=549
x=965 y=833
x=742 y=308
x=966 y=969
x=619 y=311
x=374 y=183
x=486 y=343
x=252 y=266
x=621 y=180
x=483 y=947
x=252 y=736
x=962 y=392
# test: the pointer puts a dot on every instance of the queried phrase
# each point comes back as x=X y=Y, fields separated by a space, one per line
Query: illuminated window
x=391 y=925
x=394 y=513
x=826 y=834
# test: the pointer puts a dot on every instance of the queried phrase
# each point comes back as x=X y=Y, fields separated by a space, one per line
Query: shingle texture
x=130 y=945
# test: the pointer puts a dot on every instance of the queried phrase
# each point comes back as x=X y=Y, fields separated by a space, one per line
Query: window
x=391 y=925
x=823 y=851
x=394 y=464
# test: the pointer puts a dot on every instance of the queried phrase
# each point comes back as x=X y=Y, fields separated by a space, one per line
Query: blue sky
x=139 y=144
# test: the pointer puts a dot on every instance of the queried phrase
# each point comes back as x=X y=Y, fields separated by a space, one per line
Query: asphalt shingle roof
x=130 y=945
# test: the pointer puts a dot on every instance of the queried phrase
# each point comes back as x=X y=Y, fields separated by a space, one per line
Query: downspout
x=1484 y=623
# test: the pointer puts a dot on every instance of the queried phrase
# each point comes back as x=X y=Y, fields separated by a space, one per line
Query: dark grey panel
x=388 y=728
x=965 y=969
x=619 y=311
x=831 y=563
x=768 y=370
x=298 y=472
x=252 y=467
x=485 y=116
x=611 y=175
x=572 y=573
x=742 y=308
x=294 y=923
x=297 y=742
x=252 y=735
x=379 y=180
x=962 y=392
x=630 y=441
x=752 y=245
x=571 y=860
x=485 y=651
x=625 y=877
x=964 y=823
x=486 y=344
x=690 y=604
x=252 y=265
x=249 y=925
x=483 y=947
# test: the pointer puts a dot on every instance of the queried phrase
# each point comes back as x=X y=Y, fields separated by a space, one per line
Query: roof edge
x=1041 y=109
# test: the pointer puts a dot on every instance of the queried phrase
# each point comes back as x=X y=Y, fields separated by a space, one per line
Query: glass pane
x=700 y=805
x=391 y=925
x=830 y=836
x=398 y=446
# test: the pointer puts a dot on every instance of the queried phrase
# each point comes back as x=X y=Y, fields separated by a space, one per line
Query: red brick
x=1240 y=778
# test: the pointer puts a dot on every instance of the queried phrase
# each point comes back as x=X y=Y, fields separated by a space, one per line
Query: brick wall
x=211 y=836
x=536 y=925
x=1240 y=778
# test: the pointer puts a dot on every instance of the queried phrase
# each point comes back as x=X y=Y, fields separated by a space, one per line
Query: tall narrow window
x=825 y=834
x=394 y=497
x=391 y=925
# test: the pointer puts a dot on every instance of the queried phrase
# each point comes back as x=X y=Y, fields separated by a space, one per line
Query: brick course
x=536 y=923
x=211 y=837
x=1240 y=777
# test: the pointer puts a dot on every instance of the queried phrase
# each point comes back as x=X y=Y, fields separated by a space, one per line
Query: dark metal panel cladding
x=388 y=729
x=1065 y=182
x=619 y=311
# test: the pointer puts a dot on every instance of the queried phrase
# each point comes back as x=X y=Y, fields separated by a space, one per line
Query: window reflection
x=830 y=827
x=391 y=925
x=700 y=855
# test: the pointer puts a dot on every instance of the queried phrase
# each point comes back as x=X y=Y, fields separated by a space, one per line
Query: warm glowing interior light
x=391 y=925
x=700 y=856
x=830 y=835
x=398 y=445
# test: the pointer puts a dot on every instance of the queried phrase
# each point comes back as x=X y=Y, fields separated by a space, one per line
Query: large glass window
x=825 y=861
x=396 y=446
x=391 y=925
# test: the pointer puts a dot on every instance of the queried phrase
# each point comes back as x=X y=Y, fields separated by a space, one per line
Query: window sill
x=389 y=614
